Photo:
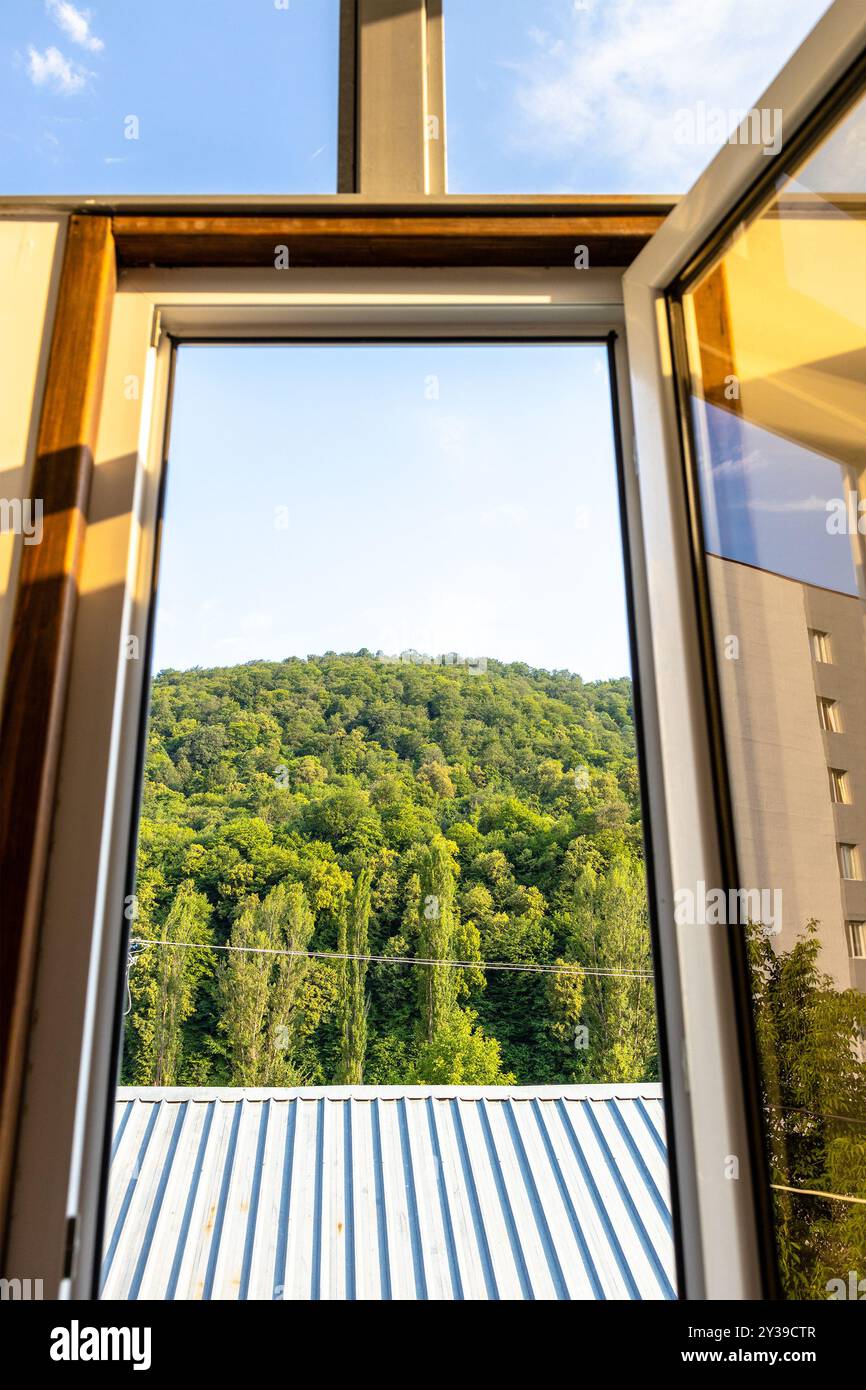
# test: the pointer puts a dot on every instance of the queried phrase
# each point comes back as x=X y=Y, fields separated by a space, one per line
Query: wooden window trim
x=41 y=638
x=613 y=237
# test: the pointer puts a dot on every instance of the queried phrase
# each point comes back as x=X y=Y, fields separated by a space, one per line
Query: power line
x=816 y=1192
x=818 y=1114
x=398 y=960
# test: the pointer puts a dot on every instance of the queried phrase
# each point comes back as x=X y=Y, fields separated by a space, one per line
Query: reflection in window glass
x=839 y=786
x=820 y=646
x=829 y=715
x=204 y=96
x=390 y=840
x=605 y=96
x=776 y=341
x=761 y=495
x=849 y=861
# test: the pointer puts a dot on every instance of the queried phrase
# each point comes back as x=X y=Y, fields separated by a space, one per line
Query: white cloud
x=613 y=88
x=741 y=465
x=802 y=504
x=839 y=165
x=506 y=515
x=51 y=69
x=75 y=23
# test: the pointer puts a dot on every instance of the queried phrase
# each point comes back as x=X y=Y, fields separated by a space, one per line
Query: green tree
x=437 y=984
x=292 y=1013
x=162 y=984
x=262 y=990
x=811 y=1041
x=608 y=934
x=565 y=1000
x=353 y=941
x=509 y=784
x=459 y=1054
x=244 y=983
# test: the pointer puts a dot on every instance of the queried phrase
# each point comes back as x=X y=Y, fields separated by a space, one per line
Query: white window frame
x=856 y=939
x=77 y=989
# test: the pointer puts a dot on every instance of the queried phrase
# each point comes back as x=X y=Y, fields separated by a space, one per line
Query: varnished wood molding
x=613 y=238
x=41 y=639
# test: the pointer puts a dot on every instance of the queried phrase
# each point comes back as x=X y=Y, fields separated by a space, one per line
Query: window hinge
x=156 y=329
x=71 y=1249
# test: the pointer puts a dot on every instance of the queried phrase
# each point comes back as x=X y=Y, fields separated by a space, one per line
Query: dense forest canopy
x=347 y=805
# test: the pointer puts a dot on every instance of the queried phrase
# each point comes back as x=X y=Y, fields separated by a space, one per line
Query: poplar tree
x=163 y=981
x=353 y=937
x=437 y=921
x=609 y=935
x=244 y=985
x=262 y=990
x=287 y=1015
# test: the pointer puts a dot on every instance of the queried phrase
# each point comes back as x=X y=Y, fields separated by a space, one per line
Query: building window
x=849 y=861
x=820 y=644
x=840 y=791
x=829 y=715
x=857 y=940
x=340 y=715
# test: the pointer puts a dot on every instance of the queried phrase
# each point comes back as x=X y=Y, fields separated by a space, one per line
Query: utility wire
x=814 y=1192
x=818 y=1114
x=397 y=960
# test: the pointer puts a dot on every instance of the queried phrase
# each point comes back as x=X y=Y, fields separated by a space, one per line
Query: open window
x=739 y=477
x=747 y=338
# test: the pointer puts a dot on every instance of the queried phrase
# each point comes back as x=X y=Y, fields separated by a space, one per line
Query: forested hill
x=343 y=803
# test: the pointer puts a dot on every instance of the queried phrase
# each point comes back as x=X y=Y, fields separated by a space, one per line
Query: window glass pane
x=839 y=785
x=776 y=342
x=605 y=96
x=849 y=861
x=829 y=715
x=820 y=645
x=391 y=742
x=198 y=96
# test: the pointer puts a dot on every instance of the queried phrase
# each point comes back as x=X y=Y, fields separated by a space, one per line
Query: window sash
x=829 y=715
x=850 y=866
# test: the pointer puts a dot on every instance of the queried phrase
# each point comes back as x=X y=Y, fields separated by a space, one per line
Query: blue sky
x=240 y=96
x=562 y=96
x=412 y=522
x=231 y=96
x=323 y=498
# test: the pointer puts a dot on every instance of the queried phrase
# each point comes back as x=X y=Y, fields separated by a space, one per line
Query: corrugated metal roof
x=369 y=1192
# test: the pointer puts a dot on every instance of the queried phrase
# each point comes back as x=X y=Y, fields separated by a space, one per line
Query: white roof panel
x=377 y=1192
